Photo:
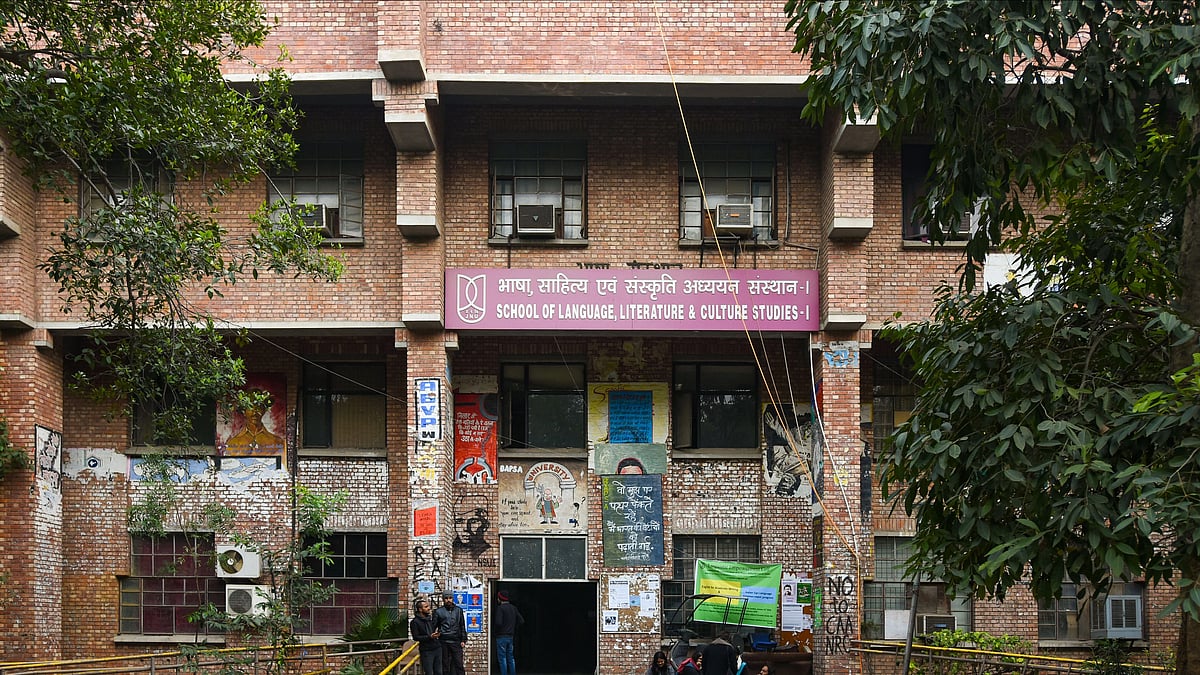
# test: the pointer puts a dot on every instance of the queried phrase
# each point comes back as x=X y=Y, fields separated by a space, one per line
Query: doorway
x=559 y=634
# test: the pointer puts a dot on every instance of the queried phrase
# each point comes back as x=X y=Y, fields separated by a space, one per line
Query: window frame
x=314 y=158
x=683 y=560
x=510 y=439
x=716 y=161
x=122 y=174
x=354 y=591
x=892 y=589
x=512 y=161
x=338 y=384
x=507 y=541
x=1087 y=613
x=141 y=426
x=693 y=440
x=135 y=589
x=915 y=165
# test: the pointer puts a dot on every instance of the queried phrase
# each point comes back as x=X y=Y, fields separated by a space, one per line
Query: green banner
x=748 y=593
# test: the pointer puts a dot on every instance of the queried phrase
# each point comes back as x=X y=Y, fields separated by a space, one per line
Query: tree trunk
x=1187 y=652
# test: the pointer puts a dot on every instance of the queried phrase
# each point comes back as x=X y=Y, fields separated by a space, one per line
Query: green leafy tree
x=1055 y=432
x=113 y=104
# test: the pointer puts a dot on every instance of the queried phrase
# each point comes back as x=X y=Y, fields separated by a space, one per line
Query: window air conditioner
x=932 y=623
x=1122 y=619
x=734 y=219
x=535 y=220
x=234 y=562
x=246 y=600
x=316 y=217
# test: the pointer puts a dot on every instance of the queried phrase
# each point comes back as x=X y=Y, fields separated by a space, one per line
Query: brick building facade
x=495 y=166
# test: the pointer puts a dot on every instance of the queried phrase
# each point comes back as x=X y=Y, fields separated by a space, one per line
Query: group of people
x=441 y=635
x=716 y=658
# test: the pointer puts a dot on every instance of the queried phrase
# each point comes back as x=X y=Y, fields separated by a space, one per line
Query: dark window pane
x=565 y=558
x=522 y=558
x=557 y=421
x=728 y=421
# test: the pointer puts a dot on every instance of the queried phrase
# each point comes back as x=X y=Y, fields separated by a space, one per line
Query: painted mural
x=544 y=497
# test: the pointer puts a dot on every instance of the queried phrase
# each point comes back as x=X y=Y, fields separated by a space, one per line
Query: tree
x=1056 y=427
x=113 y=104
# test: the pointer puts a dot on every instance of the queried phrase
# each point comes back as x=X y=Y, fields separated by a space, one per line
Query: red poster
x=425 y=522
x=475 y=438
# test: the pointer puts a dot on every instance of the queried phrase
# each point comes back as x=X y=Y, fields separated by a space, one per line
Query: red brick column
x=843 y=533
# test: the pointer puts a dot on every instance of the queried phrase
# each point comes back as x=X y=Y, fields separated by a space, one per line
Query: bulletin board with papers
x=631 y=603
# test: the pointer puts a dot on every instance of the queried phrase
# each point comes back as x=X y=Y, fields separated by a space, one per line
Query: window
x=715 y=405
x=532 y=173
x=344 y=405
x=731 y=173
x=151 y=429
x=543 y=405
x=887 y=600
x=915 y=165
x=170 y=578
x=120 y=180
x=689 y=549
x=543 y=558
x=327 y=185
x=1077 y=617
x=357 y=571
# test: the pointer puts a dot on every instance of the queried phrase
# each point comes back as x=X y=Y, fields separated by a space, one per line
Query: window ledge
x=729 y=241
x=344 y=241
x=178 y=451
x=364 y=453
x=178 y=639
x=717 y=453
x=549 y=242
x=543 y=453
x=919 y=244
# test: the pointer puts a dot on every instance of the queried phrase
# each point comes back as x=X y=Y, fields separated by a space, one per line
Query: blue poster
x=472 y=606
x=630 y=416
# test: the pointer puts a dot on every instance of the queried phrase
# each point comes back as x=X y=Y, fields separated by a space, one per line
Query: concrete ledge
x=402 y=65
x=843 y=228
x=860 y=136
x=840 y=321
x=419 y=226
x=422 y=321
x=410 y=131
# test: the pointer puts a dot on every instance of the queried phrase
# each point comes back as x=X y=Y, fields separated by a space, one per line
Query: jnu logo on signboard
x=472 y=297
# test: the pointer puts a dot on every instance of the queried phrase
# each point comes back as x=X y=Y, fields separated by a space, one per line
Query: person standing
x=505 y=621
x=452 y=627
x=423 y=629
x=720 y=658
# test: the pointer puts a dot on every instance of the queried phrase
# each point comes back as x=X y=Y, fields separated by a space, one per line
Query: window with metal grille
x=344 y=405
x=549 y=173
x=892 y=590
x=326 y=188
x=729 y=173
x=689 y=548
x=170 y=577
x=1081 y=615
x=357 y=571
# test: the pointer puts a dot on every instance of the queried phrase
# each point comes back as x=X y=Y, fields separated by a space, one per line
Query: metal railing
x=882 y=657
x=303 y=659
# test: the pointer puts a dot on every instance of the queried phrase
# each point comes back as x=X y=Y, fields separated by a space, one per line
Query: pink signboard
x=631 y=300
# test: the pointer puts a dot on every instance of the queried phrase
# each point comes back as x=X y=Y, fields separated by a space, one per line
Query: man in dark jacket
x=424 y=631
x=452 y=626
x=719 y=657
x=505 y=620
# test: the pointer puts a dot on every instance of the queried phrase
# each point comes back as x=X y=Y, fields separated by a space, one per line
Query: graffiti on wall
x=429 y=569
x=470 y=531
x=48 y=456
x=838 y=613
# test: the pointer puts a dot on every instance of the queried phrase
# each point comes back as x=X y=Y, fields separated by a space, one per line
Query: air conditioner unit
x=734 y=219
x=932 y=623
x=535 y=220
x=317 y=217
x=246 y=599
x=234 y=562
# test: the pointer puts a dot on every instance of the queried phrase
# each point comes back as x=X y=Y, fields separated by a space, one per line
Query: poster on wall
x=788 y=459
x=47 y=445
x=475 y=435
x=736 y=583
x=795 y=608
x=633 y=524
x=257 y=432
x=628 y=412
x=630 y=458
x=545 y=497
x=630 y=603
